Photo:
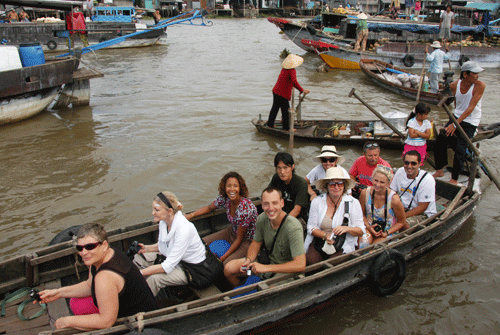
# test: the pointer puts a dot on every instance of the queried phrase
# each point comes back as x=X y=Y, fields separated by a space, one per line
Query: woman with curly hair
x=241 y=214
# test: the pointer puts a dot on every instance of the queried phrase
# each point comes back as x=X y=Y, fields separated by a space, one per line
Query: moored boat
x=356 y=132
x=384 y=75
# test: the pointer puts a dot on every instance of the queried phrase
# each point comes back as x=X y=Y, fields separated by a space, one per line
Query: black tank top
x=135 y=296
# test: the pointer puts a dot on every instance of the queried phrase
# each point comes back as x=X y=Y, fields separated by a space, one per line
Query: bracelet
x=324 y=237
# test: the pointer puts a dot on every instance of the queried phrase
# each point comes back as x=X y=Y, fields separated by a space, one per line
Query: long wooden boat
x=382 y=74
x=323 y=131
x=215 y=312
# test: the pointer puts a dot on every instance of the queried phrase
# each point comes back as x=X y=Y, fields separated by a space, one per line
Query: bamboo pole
x=291 y=125
x=485 y=167
x=422 y=75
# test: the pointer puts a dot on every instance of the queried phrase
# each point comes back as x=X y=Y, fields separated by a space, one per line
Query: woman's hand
x=373 y=232
x=48 y=296
x=339 y=230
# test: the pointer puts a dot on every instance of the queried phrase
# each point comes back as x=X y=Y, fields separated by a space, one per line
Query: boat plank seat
x=207 y=292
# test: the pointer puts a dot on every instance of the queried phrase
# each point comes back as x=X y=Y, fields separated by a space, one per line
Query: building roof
x=492 y=7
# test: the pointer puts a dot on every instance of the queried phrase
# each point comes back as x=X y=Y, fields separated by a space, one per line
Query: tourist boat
x=247 y=308
x=358 y=132
x=27 y=90
x=384 y=75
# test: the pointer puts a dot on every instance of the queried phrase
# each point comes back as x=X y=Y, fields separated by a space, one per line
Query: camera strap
x=415 y=190
x=385 y=206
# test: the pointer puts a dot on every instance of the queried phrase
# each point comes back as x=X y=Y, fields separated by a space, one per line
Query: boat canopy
x=417 y=28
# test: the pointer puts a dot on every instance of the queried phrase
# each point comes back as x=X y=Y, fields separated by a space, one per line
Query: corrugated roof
x=484 y=6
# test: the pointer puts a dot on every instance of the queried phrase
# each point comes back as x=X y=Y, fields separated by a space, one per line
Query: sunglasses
x=371 y=145
x=331 y=159
x=413 y=163
x=335 y=183
x=88 y=246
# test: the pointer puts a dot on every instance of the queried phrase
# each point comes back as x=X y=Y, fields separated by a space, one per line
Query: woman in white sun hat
x=328 y=158
x=335 y=218
x=282 y=91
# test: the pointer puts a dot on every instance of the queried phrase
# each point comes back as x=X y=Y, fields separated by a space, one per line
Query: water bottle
x=364 y=241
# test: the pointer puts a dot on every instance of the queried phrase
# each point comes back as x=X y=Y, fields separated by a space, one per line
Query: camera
x=133 y=249
x=380 y=225
x=248 y=270
x=35 y=295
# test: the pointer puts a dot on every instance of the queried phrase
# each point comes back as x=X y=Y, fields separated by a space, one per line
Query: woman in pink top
x=282 y=91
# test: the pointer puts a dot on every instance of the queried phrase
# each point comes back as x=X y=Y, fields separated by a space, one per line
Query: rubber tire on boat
x=65 y=235
x=463 y=59
x=408 y=60
x=376 y=269
x=149 y=331
x=52 y=45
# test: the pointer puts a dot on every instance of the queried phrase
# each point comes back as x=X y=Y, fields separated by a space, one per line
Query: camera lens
x=377 y=228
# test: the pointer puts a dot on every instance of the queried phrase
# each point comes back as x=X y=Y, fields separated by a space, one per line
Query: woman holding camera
x=383 y=212
x=115 y=287
x=334 y=215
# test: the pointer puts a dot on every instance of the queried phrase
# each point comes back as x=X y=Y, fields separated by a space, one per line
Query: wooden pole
x=291 y=124
x=422 y=76
x=390 y=125
x=485 y=167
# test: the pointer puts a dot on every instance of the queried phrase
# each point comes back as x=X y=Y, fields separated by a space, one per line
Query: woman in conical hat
x=282 y=91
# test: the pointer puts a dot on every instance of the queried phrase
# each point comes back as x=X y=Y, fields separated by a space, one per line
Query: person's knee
x=154 y=284
x=233 y=267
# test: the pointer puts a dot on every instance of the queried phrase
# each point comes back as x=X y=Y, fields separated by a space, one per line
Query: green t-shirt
x=289 y=243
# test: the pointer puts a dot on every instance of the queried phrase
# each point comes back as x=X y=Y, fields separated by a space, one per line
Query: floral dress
x=244 y=216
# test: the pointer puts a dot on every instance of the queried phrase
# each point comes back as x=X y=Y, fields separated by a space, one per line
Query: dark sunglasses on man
x=328 y=159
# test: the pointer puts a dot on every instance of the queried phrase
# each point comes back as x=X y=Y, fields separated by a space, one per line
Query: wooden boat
x=382 y=74
x=323 y=131
x=215 y=312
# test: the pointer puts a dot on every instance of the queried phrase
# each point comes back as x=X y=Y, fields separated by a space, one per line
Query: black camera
x=35 y=295
x=380 y=225
x=133 y=249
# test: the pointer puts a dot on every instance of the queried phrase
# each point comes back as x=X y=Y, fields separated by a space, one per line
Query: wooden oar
x=422 y=76
x=390 y=125
x=458 y=127
x=291 y=125
x=298 y=110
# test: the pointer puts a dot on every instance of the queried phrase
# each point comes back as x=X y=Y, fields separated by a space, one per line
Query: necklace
x=334 y=204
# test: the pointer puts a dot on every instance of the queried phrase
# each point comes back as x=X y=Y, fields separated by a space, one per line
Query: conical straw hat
x=292 y=61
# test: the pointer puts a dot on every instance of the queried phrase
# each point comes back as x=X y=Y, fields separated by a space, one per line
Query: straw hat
x=362 y=16
x=436 y=45
x=292 y=61
x=330 y=151
x=334 y=173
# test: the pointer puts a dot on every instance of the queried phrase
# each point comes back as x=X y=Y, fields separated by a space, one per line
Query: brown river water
x=177 y=117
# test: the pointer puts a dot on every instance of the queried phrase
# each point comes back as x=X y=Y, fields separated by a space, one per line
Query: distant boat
x=382 y=74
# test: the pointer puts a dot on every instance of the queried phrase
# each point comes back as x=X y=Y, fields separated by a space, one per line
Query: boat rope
x=76 y=267
x=17 y=295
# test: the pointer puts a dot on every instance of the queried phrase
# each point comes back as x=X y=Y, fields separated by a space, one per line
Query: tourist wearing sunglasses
x=333 y=215
x=416 y=188
x=362 y=169
x=115 y=287
x=328 y=158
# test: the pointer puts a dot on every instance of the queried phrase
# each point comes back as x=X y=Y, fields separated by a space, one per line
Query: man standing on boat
x=468 y=92
x=362 y=30
x=416 y=188
x=283 y=237
x=437 y=58
x=446 y=22
x=282 y=91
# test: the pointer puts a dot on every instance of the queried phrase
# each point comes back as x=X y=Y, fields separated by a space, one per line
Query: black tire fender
x=65 y=235
x=377 y=267
x=51 y=44
x=408 y=60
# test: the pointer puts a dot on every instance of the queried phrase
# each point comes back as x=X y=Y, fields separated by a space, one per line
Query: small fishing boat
x=214 y=312
x=356 y=133
x=386 y=76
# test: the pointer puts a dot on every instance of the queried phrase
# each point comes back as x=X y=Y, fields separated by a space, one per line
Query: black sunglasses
x=331 y=159
x=88 y=246
x=413 y=163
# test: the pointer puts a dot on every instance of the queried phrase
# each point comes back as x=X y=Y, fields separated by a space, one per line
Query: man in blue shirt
x=437 y=57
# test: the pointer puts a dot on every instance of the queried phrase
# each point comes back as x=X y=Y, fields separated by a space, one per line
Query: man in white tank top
x=468 y=91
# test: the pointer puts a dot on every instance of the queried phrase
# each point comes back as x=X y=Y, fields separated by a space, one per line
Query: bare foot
x=453 y=181
x=438 y=173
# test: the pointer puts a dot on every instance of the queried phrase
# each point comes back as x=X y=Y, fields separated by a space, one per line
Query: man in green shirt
x=362 y=30
x=288 y=254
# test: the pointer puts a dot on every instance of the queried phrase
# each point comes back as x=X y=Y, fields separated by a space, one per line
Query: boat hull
x=25 y=106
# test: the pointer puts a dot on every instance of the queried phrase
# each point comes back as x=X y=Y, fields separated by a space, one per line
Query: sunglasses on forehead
x=371 y=145
x=88 y=246
x=328 y=159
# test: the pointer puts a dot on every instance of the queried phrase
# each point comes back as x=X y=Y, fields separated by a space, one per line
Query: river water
x=177 y=117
